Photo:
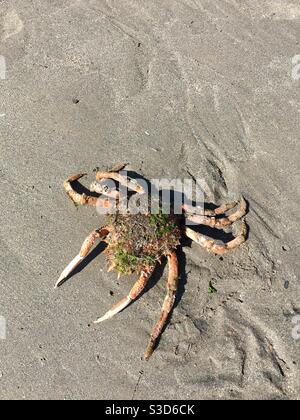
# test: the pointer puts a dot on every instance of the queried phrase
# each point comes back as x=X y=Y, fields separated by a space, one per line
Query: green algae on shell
x=141 y=240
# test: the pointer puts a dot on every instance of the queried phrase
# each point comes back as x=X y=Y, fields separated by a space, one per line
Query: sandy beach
x=180 y=89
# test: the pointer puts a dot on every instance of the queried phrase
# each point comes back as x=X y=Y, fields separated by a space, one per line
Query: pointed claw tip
x=103 y=318
x=58 y=283
x=81 y=175
x=147 y=355
x=98 y=321
x=60 y=280
x=243 y=203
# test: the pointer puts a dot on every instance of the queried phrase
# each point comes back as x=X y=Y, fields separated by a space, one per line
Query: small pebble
x=286 y=284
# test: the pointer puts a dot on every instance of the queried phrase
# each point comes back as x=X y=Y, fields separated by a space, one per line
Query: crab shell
x=136 y=241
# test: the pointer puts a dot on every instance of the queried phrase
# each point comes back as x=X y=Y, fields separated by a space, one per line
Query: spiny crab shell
x=141 y=240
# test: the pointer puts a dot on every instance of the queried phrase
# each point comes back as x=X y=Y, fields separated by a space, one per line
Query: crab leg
x=216 y=212
x=210 y=244
x=167 y=305
x=221 y=222
x=75 y=196
x=133 y=294
x=85 y=249
x=104 y=190
x=130 y=183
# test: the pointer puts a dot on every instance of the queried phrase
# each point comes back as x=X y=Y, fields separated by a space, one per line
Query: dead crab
x=136 y=243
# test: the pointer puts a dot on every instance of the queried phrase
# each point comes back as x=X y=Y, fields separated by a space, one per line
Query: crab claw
x=73 y=264
x=85 y=249
x=136 y=290
x=115 y=309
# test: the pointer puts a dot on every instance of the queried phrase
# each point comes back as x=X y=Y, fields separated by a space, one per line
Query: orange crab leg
x=207 y=212
x=210 y=244
x=75 y=196
x=85 y=249
x=104 y=190
x=221 y=222
x=133 y=294
x=123 y=180
x=167 y=305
